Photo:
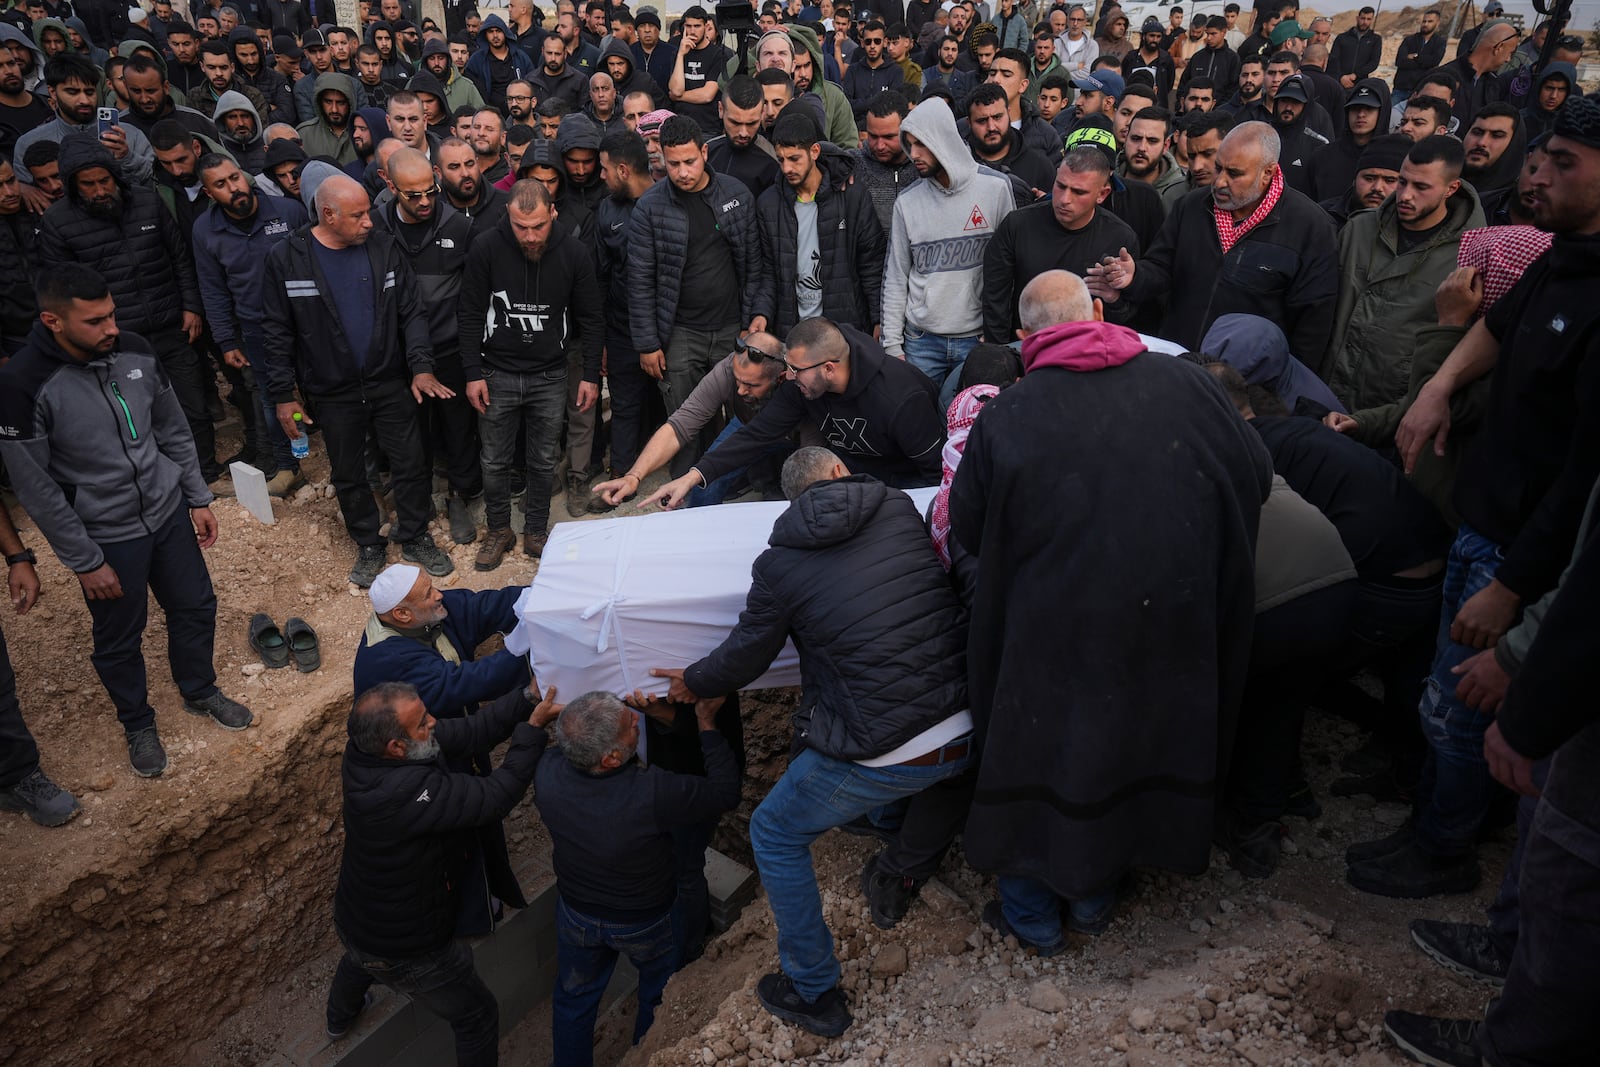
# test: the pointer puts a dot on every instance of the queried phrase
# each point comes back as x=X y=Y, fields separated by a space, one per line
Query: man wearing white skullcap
x=429 y=638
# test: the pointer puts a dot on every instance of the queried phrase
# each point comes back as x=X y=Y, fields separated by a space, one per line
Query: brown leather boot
x=496 y=543
x=533 y=543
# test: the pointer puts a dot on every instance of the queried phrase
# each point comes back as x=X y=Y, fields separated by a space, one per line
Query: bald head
x=408 y=165
x=342 y=206
x=1255 y=142
x=1497 y=33
x=1054 y=297
x=386 y=150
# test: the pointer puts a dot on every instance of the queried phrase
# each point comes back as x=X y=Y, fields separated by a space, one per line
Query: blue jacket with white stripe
x=303 y=335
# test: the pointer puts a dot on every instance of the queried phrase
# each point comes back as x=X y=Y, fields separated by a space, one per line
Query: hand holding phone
x=107 y=117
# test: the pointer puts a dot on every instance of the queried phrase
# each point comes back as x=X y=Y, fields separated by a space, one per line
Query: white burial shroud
x=615 y=597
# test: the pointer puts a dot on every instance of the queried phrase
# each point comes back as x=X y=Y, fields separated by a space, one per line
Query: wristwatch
x=25 y=556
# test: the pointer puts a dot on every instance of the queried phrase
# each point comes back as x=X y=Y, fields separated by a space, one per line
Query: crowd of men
x=825 y=258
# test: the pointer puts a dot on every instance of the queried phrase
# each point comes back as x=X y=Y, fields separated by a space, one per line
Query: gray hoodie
x=933 y=281
x=250 y=154
x=34 y=80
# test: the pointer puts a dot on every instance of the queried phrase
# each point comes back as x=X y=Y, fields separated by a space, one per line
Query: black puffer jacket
x=409 y=830
x=303 y=336
x=853 y=578
x=658 y=234
x=849 y=238
x=143 y=257
x=18 y=309
x=438 y=258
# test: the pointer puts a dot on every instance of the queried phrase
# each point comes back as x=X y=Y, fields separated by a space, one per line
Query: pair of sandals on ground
x=296 y=642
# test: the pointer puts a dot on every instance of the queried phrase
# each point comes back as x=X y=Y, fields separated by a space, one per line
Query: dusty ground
x=185 y=919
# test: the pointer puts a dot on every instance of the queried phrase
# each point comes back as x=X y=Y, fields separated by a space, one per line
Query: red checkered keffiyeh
x=1231 y=233
x=1501 y=254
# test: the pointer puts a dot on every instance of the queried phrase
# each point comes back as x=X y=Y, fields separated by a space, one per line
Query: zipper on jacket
x=127 y=415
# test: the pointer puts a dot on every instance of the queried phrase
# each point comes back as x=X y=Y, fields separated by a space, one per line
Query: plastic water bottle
x=300 y=446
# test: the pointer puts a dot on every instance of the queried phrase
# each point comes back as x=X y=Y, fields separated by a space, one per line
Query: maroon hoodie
x=1080 y=346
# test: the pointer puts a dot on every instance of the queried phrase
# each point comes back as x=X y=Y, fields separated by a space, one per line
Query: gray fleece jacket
x=99 y=452
x=933 y=281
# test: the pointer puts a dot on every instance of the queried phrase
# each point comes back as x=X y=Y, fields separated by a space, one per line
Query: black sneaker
x=149 y=759
x=421 y=549
x=1365 y=851
x=228 y=714
x=370 y=561
x=827 y=1016
x=1413 y=873
x=1437 y=1042
x=1468 y=949
x=889 y=896
x=40 y=799
x=336 y=1030
x=1303 y=803
x=1254 y=849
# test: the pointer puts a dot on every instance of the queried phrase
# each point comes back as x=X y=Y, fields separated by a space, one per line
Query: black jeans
x=18 y=753
x=1545 y=1014
x=272 y=444
x=167 y=563
x=190 y=375
x=1505 y=911
x=444 y=982
x=932 y=820
x=1394 y=632
x=1288 y=657
x=535 y=401
x=387 y=411
x=452 y=431
x=630 y=390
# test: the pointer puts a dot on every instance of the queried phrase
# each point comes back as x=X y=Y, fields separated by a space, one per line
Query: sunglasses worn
x=797 y=371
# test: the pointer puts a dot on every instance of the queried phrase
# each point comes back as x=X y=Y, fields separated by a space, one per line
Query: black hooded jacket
x=1503 y=172
x=143 y=257
x=525 y=316
x=635 y=80
x=852 y=577
x=849 y=239
x=438 y=256
x=1334 y=167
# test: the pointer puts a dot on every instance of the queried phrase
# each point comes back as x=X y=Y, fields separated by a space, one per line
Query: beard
x=422 y=751
x=108 y=208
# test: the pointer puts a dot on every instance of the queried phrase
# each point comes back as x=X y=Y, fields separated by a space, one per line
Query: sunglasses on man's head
x=755 y=354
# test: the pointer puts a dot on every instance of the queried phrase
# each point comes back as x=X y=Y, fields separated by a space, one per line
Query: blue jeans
x=814 y=795
x=1033 y=911
x=586 y=954
x=444 y=982
x=536 y=401
x=1456 y=788
x=940 y=358
x=732 y=482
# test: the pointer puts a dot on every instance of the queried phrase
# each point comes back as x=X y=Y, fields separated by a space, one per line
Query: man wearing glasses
x=1076 y=49
x=741 y=384
x=434 y=237
x=1480 y=84
x=878 y=413
x=872 y=72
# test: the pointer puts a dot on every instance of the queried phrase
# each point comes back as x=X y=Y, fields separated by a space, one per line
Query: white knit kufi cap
x=392 y=585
